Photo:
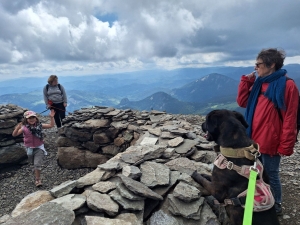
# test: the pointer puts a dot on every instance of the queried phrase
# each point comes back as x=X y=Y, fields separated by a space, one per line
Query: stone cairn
x=143 y=164
x=11 y=148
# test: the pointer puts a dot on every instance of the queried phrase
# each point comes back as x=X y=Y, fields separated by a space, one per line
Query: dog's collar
x=247 y=152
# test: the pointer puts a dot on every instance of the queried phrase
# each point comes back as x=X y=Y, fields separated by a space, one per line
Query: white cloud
x=97 y=36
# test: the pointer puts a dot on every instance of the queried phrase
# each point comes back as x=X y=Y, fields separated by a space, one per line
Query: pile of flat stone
x=11 y=149
x=91 y=136
x=149 y=182
x=141 y=185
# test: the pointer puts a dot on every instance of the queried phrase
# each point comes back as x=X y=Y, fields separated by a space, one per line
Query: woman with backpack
x=271 y=102
x=55 y=97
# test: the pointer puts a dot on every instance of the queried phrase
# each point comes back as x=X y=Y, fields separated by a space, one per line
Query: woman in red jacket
x=271 y=103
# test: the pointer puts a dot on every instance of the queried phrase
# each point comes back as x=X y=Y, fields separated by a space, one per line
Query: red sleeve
x=244 y=90
x=289 y=126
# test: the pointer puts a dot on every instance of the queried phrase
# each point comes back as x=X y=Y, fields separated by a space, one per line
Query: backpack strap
x=278 y=110
x=47 y=87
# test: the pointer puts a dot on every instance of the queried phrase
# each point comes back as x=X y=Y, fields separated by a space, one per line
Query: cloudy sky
x=77 y=37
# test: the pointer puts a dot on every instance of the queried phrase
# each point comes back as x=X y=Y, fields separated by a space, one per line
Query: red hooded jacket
x=273 y=135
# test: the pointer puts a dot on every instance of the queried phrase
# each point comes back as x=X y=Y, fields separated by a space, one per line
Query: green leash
x=248 y=213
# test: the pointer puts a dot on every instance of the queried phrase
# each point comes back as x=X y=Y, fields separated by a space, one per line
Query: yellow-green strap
x=250 y=198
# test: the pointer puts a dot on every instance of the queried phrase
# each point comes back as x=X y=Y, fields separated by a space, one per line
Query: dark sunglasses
x=257 y=64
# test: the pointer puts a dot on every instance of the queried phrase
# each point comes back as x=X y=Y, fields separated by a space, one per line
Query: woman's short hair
x=51 y=79
x=272 y=55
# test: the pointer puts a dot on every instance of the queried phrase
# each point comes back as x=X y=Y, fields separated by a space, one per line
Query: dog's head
x=224 y=126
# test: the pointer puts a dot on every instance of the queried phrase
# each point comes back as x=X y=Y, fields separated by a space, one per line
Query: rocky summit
x=110 y=166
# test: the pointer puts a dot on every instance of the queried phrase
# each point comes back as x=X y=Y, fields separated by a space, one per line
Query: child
x=33 y=140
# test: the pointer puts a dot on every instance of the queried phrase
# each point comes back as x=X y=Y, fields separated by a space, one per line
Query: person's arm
x=51 y=114
x=64 y=95
x=18 y=130
x=289 y=126
x=244 y=88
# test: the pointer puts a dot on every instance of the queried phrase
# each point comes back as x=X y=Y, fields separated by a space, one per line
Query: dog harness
x=263 y=198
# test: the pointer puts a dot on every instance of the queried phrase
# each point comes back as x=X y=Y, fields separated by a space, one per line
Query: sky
x=76 y=37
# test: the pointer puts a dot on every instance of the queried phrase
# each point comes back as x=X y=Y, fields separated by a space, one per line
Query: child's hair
x=24 y=121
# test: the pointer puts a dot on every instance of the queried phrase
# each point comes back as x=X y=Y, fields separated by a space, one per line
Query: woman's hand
x=65 y=104
x=251 y=75
x=52 y=113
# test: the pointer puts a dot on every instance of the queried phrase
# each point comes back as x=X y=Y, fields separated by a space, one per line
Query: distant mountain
x=208 y=88
x=163 y=102
x=76 y=100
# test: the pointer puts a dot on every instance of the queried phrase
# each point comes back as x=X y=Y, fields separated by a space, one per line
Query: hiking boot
x=278 y=209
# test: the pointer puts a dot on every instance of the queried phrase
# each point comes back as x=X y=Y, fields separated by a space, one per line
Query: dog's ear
x=240 y=118
x=212 y=123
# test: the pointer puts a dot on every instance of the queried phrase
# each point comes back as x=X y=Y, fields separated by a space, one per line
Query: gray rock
x=154 y=174
x=71 y=201
x=120 y=125
x=129 y=217
x=93 y=124
x=183 y=165
x=134 y=154
x=66 y=142
x=186 y=146
x=12 y=154
x=179 y=131
x=126 y=203
x=168 y=153
x=175 y=142
x=113 y=113
x=49 y=213
x=104 y=186
x=155 y=131
x=31 y=201
x=149 y=141
x=167 y=135
x=139 y=188
x=191 y=135
x=102 y=203
x=110 y=150
x=203 y=146
x=204 y=156
x=186 y=192
x=161 y=218
x=95 y=220
x=189 y=180
x=90 y=178
x=92 y=146
x=162 y=190
x=72 y=157
x=124 y=192
x=101 y=138
x=77 y=134
x=63 y=189
x=131 y=171
x=190 y=210
x=8 y=123
x=109 y=166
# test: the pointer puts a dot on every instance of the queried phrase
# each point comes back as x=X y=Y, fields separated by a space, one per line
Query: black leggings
x=60 y=113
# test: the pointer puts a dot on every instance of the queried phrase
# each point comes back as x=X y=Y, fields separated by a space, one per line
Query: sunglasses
x=257 y=64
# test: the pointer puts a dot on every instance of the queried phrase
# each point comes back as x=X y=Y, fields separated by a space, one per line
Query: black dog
x=228 y=130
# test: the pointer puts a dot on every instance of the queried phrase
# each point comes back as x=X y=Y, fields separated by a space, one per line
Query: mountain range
x=181 y=91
